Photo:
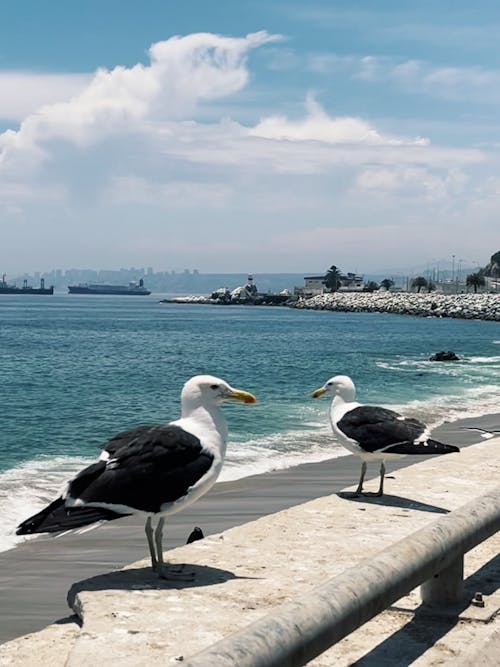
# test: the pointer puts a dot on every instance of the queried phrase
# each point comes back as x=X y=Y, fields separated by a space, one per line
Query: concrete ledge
x=488 y=655
x=130 y=618
x=51 y=646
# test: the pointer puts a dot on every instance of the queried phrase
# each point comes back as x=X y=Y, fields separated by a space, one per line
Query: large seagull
x=375 y=433
x=153 y=470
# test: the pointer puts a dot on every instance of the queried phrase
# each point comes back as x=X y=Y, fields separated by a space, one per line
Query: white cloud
x=314 y=144
x=128 y=157
x=151 y=109
x=318 y=126
x=477 y=84
x=22 y=93
x=410 y=181
x=184 y=71
x=468 y=83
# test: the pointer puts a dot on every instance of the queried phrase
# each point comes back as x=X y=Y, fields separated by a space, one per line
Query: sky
x=251 y=136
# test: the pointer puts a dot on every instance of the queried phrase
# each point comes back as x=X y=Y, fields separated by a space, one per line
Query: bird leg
x=359 y=490
x=148 y=528
x=159 y=544
x=382 y=474
x=163 y=569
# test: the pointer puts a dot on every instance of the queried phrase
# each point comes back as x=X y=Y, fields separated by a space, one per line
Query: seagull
x=195 y=535
x=153 y=470
x=375 y=433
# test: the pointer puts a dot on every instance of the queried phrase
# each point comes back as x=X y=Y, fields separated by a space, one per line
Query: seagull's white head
x=209 y=391
x=339 y=385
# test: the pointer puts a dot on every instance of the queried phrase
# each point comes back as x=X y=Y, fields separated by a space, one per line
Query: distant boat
x=132 y=289
x=5 y=288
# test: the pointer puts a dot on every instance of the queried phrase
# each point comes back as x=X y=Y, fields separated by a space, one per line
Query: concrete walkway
x=129 y=618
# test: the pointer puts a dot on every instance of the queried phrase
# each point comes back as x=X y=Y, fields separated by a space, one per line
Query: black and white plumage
x=151 y=470
x=375 y=433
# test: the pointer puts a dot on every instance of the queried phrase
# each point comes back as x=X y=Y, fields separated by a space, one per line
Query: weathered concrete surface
x=131 y=619
x=50 y=647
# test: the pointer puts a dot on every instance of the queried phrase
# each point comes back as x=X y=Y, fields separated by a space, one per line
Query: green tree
x=419 y=282
x=387 y=283
x=332 y=278
x=370 y=286
x=475 y=280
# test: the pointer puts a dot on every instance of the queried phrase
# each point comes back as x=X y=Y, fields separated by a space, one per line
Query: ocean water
x=77 y=369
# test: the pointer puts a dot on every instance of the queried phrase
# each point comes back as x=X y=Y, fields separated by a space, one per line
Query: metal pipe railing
x=308 y=625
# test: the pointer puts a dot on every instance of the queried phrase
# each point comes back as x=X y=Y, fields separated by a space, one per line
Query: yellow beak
x=243 y=396
x=319 y=392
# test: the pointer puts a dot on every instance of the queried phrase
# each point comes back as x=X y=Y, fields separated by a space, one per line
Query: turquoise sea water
x=77 y=369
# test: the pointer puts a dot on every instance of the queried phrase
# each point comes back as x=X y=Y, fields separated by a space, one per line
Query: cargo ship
x=132 y=289
x=5 y=288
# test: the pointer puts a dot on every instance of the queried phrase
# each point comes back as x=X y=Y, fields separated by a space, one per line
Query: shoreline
x=458 y=306
x=36 y=575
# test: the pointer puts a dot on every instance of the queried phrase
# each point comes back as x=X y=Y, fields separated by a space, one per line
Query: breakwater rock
x=186 y=299
x=257 y=300
x=461 y=306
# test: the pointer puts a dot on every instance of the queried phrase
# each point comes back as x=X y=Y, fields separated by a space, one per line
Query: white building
x=313 y=285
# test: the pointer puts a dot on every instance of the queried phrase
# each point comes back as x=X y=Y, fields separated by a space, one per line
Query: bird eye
x=214 y=386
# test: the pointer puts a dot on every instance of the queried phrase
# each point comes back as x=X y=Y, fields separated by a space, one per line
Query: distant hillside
x=492 y=269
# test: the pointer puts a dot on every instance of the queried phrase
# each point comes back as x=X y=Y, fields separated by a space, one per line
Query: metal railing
x=308 y=625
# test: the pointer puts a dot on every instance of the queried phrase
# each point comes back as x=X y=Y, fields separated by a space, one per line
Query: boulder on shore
x=444 y=356
x=460 y=306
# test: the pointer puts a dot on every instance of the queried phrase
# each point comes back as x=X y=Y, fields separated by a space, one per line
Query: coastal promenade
x=130 y=618
x=460 y=306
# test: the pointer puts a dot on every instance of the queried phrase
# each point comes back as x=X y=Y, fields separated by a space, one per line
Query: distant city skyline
x=436 y=270
x=269 y=137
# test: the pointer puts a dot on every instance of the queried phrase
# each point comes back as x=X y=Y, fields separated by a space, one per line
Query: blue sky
x=248 y=136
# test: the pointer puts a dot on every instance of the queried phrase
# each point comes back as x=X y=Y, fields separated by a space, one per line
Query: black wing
x=124 y=438
x=149 y=466
x=376 y=428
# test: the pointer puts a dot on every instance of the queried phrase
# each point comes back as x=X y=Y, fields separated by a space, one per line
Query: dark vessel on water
x=132 y=289
x=5 y=288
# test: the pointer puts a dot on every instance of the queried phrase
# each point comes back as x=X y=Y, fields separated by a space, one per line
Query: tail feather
x=428 y=447
x=56 y=517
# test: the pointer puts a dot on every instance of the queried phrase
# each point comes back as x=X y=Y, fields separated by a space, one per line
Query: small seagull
x=153 y=471
x=375 y=433
x=195 y=535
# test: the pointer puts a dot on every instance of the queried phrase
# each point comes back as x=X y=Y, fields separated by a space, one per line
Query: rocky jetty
x=257 y=300
x=461 y=306
x=194 y=298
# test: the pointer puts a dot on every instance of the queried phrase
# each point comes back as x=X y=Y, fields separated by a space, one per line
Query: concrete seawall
x=131 y=618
